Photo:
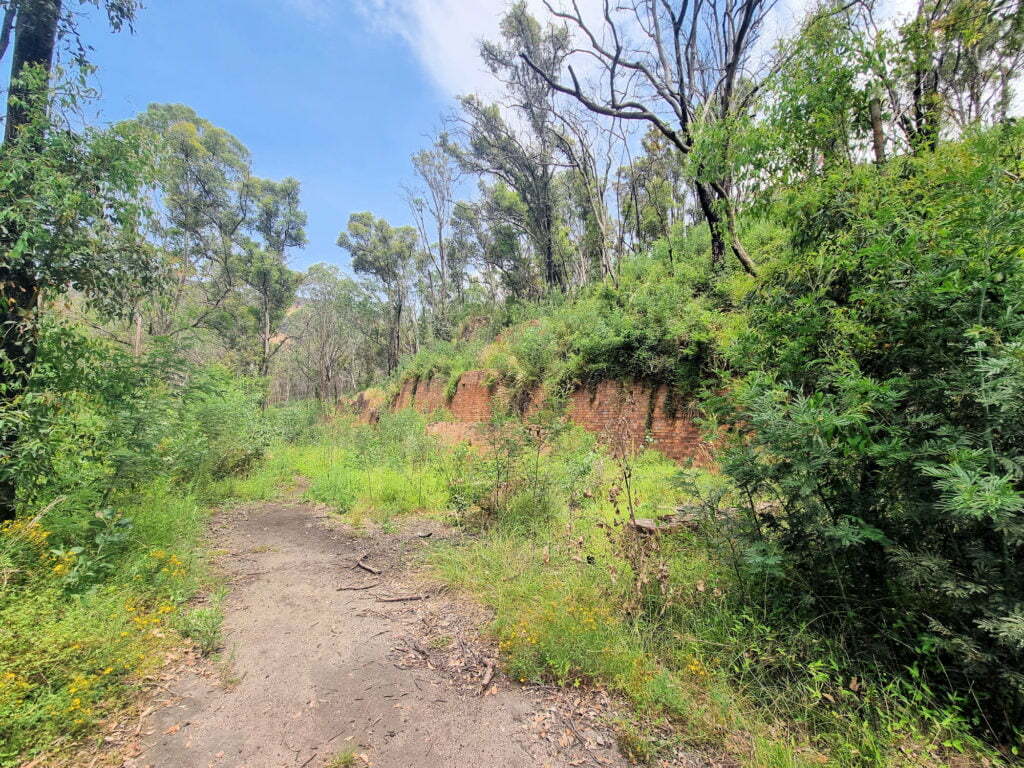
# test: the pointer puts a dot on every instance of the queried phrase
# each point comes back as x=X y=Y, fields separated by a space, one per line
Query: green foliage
x=203 y=627
x=84 y=614
x=389 y=470
x=445 y=359
x=74 y=204
x=881 y=406
x=114 y=455
x=664 y=322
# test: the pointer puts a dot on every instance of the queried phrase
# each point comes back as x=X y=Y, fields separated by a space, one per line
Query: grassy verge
x=82 y=627
x=96 y=571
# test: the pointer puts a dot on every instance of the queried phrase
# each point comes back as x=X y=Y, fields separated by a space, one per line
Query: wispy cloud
x=444 y=34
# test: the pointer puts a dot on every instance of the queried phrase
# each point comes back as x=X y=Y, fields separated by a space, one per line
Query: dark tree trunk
x=715 y=226
x=35 y=35
x=927 y=117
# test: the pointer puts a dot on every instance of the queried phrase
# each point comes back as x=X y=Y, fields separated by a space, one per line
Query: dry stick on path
x=488 y=677
x=357 y=589
x=365 y=567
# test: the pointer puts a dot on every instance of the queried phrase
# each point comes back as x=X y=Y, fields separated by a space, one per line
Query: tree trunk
x=877 y=134
x=265 y=357
x=550 y=271
x=137 y=337
x=714 y=222
x=35 y=35
x=394 y=346
x=734 y=236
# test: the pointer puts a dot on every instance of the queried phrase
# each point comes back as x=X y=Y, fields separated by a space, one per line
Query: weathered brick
x=623 y=413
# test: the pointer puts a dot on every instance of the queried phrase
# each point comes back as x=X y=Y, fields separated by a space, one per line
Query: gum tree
x=68 y=216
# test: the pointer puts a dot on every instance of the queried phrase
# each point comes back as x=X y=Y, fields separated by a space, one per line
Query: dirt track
x=310 y=671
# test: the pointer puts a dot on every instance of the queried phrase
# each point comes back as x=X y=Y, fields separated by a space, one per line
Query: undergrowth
x=374 y=475
x=97 y=569
x=580 y=599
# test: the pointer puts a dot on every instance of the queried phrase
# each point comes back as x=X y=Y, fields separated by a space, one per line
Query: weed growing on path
x=346 y=759
x=203 y=627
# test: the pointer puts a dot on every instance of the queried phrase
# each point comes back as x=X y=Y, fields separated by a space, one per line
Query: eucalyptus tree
x=432 y=201
x=653 y=197
x=52 y=236
x=685 y=67
x=280 y=222
x=272 y=287
x=952 y=64
x=335 y=346
x=203 y=203
x=494 y=149
x=517 y=144
x=590 y=154
x=386 y=255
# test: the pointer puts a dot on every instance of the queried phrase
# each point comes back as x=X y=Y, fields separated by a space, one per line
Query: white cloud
x=445 y=35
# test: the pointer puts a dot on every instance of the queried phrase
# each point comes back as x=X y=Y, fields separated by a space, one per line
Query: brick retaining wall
x=615 y=410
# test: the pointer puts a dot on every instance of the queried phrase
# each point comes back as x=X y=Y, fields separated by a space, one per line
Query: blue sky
x=320 y=91
x=337 y=93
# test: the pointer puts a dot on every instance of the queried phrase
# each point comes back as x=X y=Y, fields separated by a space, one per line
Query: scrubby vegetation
x=581 y=598
x=117 y=464
x=869 y=493
x=817 y=245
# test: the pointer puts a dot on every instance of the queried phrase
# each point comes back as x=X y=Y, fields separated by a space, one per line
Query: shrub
x=882 y=406
x=112 y=455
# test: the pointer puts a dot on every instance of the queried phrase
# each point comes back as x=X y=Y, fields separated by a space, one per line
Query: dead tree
x=691 y=67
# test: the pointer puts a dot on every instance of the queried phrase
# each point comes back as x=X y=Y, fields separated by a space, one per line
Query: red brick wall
x=629 y=411
x=472 y=400
x=429 y=395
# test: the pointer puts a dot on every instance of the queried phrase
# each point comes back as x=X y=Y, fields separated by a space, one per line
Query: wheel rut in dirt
x=320 y=659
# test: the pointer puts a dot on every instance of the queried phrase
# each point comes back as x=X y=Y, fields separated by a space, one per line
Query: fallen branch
x=365 y=567
x=402 y=599
x=488 y=677
x=356 y=589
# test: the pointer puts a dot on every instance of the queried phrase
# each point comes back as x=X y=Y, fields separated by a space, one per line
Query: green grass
x=345 y=759
x=375 y=474
x=203 y=627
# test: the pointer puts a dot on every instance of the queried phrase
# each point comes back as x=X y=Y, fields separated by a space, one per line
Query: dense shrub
x=882 y=407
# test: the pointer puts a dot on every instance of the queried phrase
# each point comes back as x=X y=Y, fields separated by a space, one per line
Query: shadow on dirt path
x=320 y=660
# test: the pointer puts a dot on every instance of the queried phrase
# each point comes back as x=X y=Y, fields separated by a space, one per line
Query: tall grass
x=115 y=487
x=378 y=473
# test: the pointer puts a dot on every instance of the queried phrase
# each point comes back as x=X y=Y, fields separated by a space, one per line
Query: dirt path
x=310 y=671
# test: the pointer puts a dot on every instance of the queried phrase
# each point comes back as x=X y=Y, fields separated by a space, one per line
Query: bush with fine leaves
x=880 y=403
